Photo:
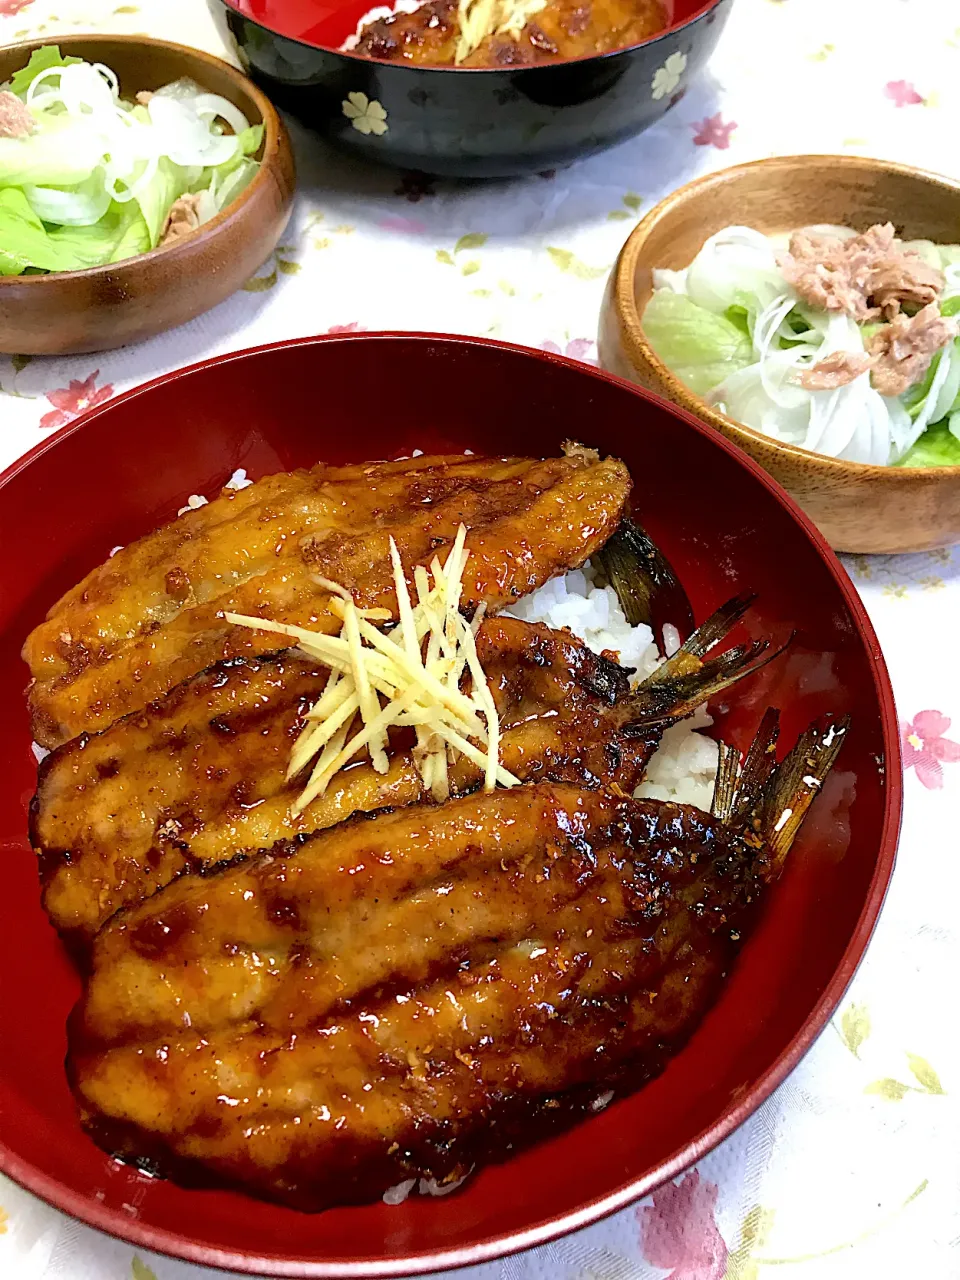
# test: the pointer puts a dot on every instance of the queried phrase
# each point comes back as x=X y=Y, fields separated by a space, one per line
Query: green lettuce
x=699 y=346
x=42 y=59
x=234 y=174
x=26 y=243
x=169 y=184
x=937 y=447
x=51 y=157
x=120 y=233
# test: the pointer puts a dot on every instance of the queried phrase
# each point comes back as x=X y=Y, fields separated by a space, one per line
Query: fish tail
x=758 y=765
x=646 y=584
x=725 y=787
x=771 y=800
x=689 y=679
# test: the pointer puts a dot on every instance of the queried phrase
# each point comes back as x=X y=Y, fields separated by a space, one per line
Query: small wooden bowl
x=857 y=507
x=103 y=307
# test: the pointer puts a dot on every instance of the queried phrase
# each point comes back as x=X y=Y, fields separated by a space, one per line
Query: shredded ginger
x=409 y=677
x=478 y=19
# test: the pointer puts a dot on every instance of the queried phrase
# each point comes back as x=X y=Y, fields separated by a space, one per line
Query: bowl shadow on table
x=214 y=331
x=323 y=161
x=330 y=176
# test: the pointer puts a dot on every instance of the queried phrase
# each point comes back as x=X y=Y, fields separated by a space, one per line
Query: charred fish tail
x=646 y=584
x=771 y=800
x=687 y=680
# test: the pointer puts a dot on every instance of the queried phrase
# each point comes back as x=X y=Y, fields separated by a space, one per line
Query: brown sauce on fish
x=563 y=29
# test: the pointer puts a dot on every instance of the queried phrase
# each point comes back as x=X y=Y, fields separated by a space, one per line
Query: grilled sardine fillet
x=201 y=775
x=152 y=616
x=562 y=29
x=409 y=994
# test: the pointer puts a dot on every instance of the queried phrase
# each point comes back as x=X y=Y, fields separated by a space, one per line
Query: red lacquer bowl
x=130 y=464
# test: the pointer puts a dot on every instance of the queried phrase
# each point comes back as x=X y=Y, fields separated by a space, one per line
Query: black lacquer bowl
x=466 y=122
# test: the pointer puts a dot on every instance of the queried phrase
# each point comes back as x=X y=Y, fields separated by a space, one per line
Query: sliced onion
x=76 y=207
x=84 y=92
x=185 y=138
x=184 y=90
x=211 y=105
x=123 y=144
x=207 y=204
x=130 y=189
x=110 y=78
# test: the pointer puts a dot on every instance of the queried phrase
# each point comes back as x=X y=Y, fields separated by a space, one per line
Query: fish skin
x=318 y=1023
x=152 y=615
x=561 y=29
x=200 y=775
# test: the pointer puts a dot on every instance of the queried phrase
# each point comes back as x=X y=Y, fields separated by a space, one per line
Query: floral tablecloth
x=852 y=1169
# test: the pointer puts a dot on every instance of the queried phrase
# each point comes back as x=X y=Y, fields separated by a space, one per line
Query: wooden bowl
x=467 y=122
x=856 y=507
x=128 y=465
x=111 y=306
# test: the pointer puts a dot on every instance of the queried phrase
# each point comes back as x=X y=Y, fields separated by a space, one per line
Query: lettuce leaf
x=699 y=346
x=251 y=140
x=740 y=317
x=41 y=59
x=937 y=447
x=120 y=233
x=54 y=156
x=23 y=239
x=168 y=185
x=25 y=243
x=239 y=167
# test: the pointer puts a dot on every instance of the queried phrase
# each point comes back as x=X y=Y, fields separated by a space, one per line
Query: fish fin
x=790 y=790
x=725 y=787
x=758 y=764
x=684 y=682
x=718 y=625
x=647 y=587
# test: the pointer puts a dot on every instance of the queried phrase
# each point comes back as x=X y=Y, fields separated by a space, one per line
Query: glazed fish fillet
x=152 y=616
x=561 y=29
x=413 y=993
x=200 y=775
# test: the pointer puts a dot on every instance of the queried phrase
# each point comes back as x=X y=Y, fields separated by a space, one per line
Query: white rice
x=685 y=767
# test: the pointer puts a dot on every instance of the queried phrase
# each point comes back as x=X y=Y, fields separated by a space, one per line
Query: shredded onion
x=127 y=150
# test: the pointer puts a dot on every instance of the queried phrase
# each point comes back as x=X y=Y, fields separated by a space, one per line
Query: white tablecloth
x=852 y=1169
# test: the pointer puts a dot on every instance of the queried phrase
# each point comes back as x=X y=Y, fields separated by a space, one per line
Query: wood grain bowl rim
x=274 y=132
x=640 y=352
x=739 y=1108
x=232 y=6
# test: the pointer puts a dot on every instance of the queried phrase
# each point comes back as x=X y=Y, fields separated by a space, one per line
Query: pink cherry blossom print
x=69 y=402
x=902 y=93
x=926 y=750
x=679 y=1232
x=353 y=327
x=10 y=7
x=582 y=349
x=412 y=226
x=713 y=131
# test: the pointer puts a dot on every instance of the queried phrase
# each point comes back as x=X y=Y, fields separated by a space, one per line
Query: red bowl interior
x=327 y=23
x=727 y=527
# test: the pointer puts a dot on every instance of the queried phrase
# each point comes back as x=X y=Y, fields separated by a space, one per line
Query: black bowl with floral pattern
x=466 y=122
